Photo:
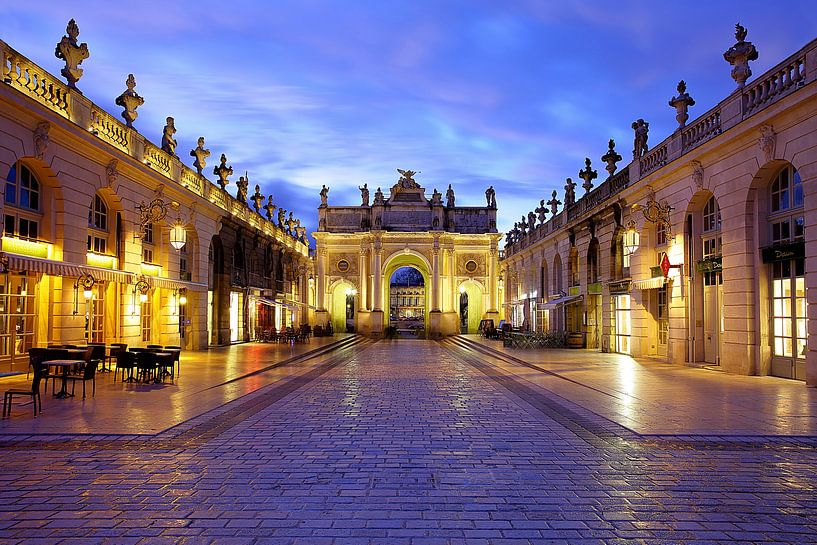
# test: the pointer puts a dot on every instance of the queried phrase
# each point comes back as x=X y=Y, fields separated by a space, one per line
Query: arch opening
x=408 y=301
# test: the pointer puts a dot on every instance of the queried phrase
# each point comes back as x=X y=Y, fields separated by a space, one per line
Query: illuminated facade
x=360 y=247
x=700 y=251
x=110 y=238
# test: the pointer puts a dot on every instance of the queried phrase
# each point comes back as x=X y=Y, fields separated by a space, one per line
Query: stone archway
x=471 y=297
x=415 y=261
x=344 y=306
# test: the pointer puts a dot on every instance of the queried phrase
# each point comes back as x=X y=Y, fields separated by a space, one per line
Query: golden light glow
x=88 y=294
x=178 y=236
x=30 y=248
x=150 y=269
x=101 y=260
x=143 y=297
x=183 y=300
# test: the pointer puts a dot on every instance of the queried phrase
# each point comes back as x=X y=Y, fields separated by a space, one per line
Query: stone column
x=435 y=279
x=321 y=287
x=363 y=277
x=452 y=280
x=493 y=256
x=377 y=273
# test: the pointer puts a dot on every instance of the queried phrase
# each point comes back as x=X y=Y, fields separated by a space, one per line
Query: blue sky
x=512 y=94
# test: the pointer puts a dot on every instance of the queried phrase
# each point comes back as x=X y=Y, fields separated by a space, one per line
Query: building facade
x=703 y=249
x=360 y=247
x=108 y=237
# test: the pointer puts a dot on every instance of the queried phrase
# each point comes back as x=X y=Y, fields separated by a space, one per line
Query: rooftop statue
x=436 y=197
x=681 y=103
x=223 y=172
x=73 y=54
x=201 y=155
x=270 y=208
x=531 y=220
x=490 y=197
x=642 y=129
x=130 y=101
x=378 y=197
x=570 y=192
x=168 y=142
x=364 y=195
x=257 y=199
x=449 y=197
x=407 y=179
x=281 y=217
x=324 y=195
x=243 y=185
x=739 y=56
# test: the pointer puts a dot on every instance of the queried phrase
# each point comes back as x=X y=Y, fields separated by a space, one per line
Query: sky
x=512 y=93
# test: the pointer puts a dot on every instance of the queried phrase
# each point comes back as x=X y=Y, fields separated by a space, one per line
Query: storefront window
x=621 y=323
x=146 y=317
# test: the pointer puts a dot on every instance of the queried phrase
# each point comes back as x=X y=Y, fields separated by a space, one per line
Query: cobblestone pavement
x=408 y=442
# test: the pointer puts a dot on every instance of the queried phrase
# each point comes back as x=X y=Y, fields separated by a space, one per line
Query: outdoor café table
x=162 y=355
x=65 y=364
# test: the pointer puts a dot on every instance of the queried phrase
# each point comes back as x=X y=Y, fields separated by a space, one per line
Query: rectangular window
x=11 y=192
x=8 y=225
x=148 y=234
x=146 y=319
x=621 y=323
x=147 y=255
x=28 y=228
x=660 y=234
x=663 y=316
x=97 y=245
x=789 y=316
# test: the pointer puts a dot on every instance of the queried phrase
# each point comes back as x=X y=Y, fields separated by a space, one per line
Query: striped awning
x=72 y=270
x=649 y=284
x=61 y=268
x=564 y=300
x=274 y=303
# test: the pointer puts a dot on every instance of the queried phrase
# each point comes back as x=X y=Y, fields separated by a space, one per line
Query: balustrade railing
x=701 y=130
x=191 y=180
x=30 y=79
x=654 y=159
x=106 y=127
x=778 y=81
x=157 y=159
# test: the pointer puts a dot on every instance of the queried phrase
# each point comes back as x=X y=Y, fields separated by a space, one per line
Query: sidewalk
x=135 y=408
x=659 y=398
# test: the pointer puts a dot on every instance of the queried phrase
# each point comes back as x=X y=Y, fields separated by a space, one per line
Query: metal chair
x=177 y=352
x=126 y=361
x=88 y=373
x=33 y=393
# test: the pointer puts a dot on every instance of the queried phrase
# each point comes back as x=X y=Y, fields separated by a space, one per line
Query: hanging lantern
x=178 y=236
x=631 y=240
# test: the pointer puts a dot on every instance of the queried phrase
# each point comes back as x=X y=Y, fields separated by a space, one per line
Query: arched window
x=786 y=199
x=98 y=226
x=557 y=275
x=573 y=266
x=593 y=262
x=22 y=211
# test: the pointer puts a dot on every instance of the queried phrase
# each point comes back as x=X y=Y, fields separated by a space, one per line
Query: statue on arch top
x=324 y=195
x=449 y=197
x=407 y=179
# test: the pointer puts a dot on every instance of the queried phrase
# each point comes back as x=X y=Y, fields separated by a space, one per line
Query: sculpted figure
x=200 y=155
x=570 y=192
x=281 y=217
x=531 y=220
x=436 y=197
x=508 y=238
x=243 y=185
x=641 y=129
x=324 y=195
x=378 y=197
x=490 y=197
x=290 y=223
x=449 y=197
x=270 y=208
x=72 y=53
x=168 y=142
x=407 y=179
x=364 y=195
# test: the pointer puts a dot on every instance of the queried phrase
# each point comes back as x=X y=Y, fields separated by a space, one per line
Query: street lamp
x=178 y=235
x=631 y=239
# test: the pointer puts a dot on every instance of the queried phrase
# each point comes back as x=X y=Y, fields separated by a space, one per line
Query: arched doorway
x=471 y=306
x=407 y=302
x=344 y=307
x=418 y=263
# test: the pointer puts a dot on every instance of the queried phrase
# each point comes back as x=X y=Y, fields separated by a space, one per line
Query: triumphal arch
x=360 y=247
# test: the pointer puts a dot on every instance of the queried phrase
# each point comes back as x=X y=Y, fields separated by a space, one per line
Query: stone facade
x=727 y=204
x=360 y=247
x=93 y=212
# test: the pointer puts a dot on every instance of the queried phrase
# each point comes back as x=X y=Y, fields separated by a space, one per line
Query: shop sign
x=714 y=264
x=783 y=252
x=573 y=290
x=594 y=288
x=618 y=287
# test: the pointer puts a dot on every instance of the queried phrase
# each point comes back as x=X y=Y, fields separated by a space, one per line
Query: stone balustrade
x=654 y=159
x=704 y=128
x=30 y=79
x=779 y=81
x=21 y=74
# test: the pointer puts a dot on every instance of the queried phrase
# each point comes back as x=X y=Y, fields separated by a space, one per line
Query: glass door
x=17 y=317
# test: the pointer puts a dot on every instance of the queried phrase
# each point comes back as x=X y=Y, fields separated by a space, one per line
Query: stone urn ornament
x=73 y=54
x=130 y=101
x=270 y=208
x=588 y=175
x=553 y=203
x=200 y=155
x=223 y=172
x=681 y=103
x=611 y=157
x=739 y=56
x=541 y=210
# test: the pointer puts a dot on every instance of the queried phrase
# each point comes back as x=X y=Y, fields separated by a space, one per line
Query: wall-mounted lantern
x=86 y=282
